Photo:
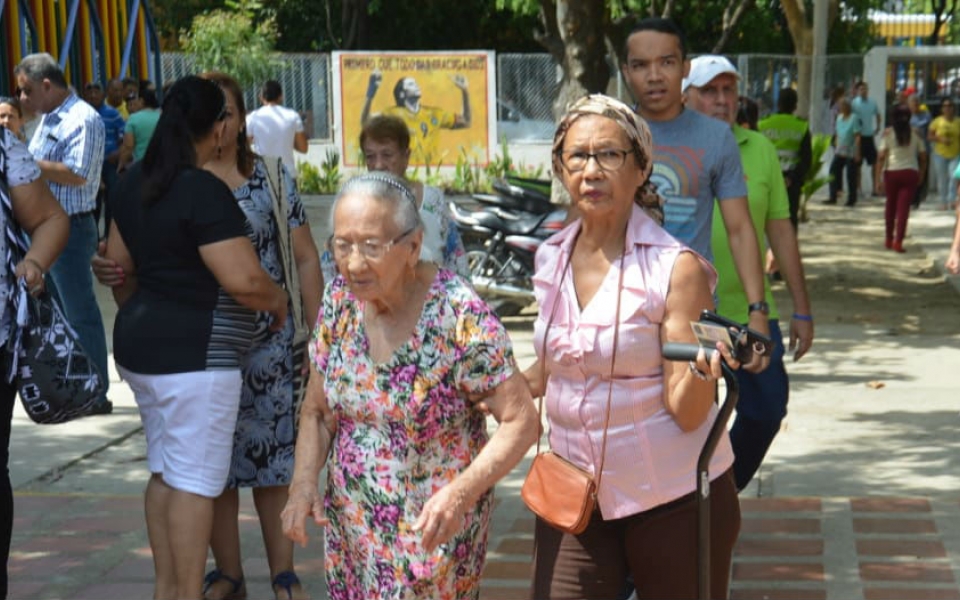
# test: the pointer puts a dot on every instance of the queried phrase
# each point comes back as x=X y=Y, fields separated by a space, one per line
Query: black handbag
x=56 y=379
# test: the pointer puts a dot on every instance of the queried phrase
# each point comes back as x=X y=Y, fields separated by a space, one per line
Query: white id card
x=708 y=334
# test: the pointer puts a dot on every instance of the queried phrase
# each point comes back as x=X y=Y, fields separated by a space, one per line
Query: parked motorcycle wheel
x=476 y=253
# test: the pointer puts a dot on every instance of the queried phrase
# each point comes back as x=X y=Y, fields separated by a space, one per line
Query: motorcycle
x=501 y=237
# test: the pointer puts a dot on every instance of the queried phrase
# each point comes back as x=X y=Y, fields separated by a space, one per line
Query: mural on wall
x=445 y=99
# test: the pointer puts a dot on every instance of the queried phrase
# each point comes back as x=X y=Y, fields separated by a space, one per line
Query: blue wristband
x=803 y=317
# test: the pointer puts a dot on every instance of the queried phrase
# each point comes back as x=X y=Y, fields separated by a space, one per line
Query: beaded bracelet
x=807 y=318
x=697 y=372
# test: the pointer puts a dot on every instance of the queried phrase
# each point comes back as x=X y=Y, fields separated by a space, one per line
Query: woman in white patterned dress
x=385 y=142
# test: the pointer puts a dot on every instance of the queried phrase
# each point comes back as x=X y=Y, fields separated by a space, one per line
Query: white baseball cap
x=704 y=68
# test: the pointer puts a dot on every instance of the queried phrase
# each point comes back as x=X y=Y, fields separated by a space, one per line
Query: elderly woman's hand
x=442 y=517
x=303 y=500
x=32 y=274
x=711 y=369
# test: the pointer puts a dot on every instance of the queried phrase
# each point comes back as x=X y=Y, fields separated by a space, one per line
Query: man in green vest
x=791 y=136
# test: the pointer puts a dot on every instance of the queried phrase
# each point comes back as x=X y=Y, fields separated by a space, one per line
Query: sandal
x=237 y=591
x=285 y=580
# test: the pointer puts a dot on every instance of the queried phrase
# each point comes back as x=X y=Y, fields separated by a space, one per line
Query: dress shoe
x=898 y=247
x=830 y=201
x=850 y=204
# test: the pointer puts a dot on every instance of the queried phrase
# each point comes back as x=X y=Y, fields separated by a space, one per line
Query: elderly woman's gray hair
x=384 y=187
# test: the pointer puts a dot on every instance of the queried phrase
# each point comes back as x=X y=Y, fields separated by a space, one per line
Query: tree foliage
x=236 y=40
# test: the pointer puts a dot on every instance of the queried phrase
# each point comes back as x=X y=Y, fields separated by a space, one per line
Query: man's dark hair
x=787 y=102
x=271 y=91
x=660 y=25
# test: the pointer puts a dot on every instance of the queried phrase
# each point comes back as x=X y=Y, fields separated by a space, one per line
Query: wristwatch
x=761 y=306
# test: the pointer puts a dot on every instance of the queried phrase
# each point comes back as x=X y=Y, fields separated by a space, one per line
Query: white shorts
x=189 y=420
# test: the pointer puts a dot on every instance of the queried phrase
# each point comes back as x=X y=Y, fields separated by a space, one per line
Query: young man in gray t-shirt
x=696 y=160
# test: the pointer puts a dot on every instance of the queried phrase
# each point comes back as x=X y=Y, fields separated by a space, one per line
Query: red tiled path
x=806 y=549
x=790 y=548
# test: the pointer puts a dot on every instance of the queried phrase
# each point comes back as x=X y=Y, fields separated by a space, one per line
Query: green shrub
x=323 y=180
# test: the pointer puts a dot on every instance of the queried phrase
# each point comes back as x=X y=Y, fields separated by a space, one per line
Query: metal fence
x=527 y=85
x=305 y=79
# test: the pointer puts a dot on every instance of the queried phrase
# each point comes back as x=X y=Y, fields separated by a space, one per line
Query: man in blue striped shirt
x=68 y=146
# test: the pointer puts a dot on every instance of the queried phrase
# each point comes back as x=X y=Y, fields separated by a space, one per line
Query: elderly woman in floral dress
x=401 y=354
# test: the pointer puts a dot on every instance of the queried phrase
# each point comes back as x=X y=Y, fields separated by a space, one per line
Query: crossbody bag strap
x=613 y=360
x=281 y=211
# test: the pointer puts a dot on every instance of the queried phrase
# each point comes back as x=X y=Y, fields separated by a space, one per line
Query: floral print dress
x=405 y=429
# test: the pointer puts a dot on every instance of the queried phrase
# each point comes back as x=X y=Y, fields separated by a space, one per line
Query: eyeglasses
x=369 y=249
x=608 y=160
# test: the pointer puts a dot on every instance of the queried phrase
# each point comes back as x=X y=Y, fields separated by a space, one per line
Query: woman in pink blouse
x=660 y=412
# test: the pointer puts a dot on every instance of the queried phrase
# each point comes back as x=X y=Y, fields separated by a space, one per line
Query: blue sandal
x=286 y=580
x=237 y=590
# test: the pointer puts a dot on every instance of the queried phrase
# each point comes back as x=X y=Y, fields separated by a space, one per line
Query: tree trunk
x=584 y=66
x=732 y=15
x=801 y=32
x=354 y=19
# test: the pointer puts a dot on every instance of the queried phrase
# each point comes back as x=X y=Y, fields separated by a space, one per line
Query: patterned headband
x=597 y=104
x=641 y=140
x=388 y=179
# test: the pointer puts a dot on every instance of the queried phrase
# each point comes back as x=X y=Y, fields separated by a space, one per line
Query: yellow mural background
x=434 y=74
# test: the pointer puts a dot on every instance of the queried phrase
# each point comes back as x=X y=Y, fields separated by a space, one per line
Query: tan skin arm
x=308 y=268
x=511 y=405
x=878 y=172
x=232 y=262
x=686 y=397
x=108 y=272
x=126 y=151
x=783 y=242
x=117 y=255
x=237 y=269
x=318 y=426
x=41 y=216
x=746 y=257
x=953 y=259
x=300 y=143
x=59 y=173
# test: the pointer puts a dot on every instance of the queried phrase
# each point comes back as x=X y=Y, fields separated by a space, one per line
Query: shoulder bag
x=556 y=490
x=291 y=278
x=56 y=379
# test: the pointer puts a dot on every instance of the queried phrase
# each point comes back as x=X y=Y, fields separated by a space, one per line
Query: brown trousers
x=658 y=547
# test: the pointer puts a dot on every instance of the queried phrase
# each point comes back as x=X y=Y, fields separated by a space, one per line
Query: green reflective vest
x=786 y=132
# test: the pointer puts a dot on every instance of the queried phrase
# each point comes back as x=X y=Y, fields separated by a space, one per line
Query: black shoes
x=830 y=201
x=101 y=408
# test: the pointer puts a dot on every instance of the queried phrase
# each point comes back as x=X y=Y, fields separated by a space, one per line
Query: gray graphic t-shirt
x=696 y=159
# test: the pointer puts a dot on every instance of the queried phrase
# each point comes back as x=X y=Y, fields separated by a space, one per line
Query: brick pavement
x=873 y=548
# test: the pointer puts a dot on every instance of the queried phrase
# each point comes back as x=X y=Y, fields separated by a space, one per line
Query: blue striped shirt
x=73 y=134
